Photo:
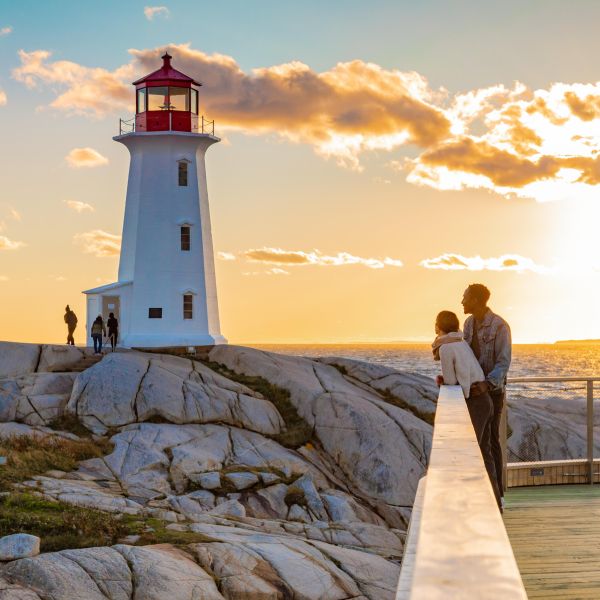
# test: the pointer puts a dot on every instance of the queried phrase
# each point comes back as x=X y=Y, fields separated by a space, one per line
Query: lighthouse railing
x=202 y=125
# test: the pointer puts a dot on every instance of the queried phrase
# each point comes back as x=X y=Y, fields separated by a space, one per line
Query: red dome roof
x=167 y=72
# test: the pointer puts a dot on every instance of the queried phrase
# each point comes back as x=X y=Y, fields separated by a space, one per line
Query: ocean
x=529 y=360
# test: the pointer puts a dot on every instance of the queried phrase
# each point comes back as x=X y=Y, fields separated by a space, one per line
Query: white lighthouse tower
x=166 y=295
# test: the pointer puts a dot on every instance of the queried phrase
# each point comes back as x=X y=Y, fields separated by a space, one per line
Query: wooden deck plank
x=555 y=535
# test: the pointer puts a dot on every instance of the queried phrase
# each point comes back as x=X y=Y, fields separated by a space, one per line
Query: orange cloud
x=7 y=244
x=85 y=157
x=78 y=206
x=3 y=98
x=354 y=106
x=99 y=243
x=5 y=31
x=507 y=262
x=503 y=168
x=587 y=108
x=277 y=256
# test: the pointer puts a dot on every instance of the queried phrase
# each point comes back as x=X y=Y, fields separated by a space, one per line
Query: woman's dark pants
x=481 y=411
x=97 y=337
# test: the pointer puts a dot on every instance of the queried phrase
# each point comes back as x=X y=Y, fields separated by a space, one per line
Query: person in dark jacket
x=113 y=330
x=71 y=321
x=98 y=330
x=490 y=339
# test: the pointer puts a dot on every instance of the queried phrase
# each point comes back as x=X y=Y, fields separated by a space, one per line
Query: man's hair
x=479 y=291
x=447 y=321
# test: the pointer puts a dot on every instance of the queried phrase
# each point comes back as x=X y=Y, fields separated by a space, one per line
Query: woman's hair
x=99 y=319
x=447 y=321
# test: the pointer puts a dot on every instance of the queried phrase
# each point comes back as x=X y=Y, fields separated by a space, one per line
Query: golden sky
x=350 y=201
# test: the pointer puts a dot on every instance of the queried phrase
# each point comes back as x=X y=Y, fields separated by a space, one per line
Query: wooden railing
x=457 y=546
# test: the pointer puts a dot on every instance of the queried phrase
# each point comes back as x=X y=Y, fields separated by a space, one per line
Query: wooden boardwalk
x=555 y=535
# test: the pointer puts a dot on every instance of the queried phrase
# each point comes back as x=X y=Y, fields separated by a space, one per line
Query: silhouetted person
x=98 y=330
x=490 y=339
x=71 y=321
x=460 y=367
x=113 y=330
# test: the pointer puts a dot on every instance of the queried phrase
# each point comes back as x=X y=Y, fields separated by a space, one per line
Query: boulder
x=19 y=545
x=133 y=388
x=18 y=359
x=241 y=480
x=59 y=358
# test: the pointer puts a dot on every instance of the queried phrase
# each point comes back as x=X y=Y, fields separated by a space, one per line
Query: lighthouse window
x=155 y=313
x=186 y=238
x=188 y=306
x=183 y=173
x=141 y=100
x=194 y=103
x=180 y=98
x=158 y=98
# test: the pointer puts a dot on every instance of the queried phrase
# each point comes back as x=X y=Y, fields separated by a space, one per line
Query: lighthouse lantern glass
x=194 y=102
x=179 y=98
x=158 y=98
x=141 y=100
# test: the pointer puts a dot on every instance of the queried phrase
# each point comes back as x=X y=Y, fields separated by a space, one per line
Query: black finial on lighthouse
x=166 y=60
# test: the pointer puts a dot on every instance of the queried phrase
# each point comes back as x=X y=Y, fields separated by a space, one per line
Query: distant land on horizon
x=581 y=342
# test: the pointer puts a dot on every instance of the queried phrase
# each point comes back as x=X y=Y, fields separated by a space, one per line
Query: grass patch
x=70 y=423
x=59 y=525
x=29 y=456
x=391 y=399
x=154 y=531
x=298 y=432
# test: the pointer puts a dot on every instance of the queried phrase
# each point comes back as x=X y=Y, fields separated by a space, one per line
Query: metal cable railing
x=550 y=420
x=202 y=125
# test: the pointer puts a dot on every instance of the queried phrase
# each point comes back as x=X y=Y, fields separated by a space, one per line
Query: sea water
x=529 y=360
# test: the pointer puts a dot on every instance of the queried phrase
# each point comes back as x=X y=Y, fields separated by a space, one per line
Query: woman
x=113 y=330
x=459 y=366
x=98 y=330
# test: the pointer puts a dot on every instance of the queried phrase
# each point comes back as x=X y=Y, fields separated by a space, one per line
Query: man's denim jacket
x=495 y=348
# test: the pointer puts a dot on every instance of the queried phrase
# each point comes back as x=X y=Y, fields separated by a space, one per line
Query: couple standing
x=478 y=361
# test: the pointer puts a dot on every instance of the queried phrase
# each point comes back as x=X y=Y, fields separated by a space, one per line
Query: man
x=71 y=321
x=490 y=339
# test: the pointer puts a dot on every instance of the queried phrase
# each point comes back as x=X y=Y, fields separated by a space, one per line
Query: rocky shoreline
x=289 y=477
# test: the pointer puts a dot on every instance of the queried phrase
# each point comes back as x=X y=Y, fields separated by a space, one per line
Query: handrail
x=459 y=546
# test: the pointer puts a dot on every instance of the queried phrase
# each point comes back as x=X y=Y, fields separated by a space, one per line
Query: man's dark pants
x=498 y=399
x=481 y=411
x=70 y=338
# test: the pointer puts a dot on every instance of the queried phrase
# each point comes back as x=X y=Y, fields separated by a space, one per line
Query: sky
x=376 y=158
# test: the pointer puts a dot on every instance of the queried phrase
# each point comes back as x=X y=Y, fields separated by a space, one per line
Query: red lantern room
x=166 y=100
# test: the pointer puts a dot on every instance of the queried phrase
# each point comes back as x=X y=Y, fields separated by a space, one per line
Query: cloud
x=352 y=107
x=7 y=244
x=99 y=243
x=156 y=11
x=3 y=278
x=5 y=31
x=225 y=256
x=85 y=157
x=277 y=256
x=78 y=206
x=507 y=262
x=15 y=214
x=515 y=141
x=3 y=98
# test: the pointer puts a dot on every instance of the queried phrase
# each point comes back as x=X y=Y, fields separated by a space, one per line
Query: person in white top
x=460 y=367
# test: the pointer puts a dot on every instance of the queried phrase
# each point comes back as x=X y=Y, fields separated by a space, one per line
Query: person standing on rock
x=113 y=330
x=460 y=367
x=71 y=321
x=98 y=330
x=490 y=339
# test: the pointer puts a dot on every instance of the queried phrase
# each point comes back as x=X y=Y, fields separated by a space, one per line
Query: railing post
x=590 y=430
x=504 y=444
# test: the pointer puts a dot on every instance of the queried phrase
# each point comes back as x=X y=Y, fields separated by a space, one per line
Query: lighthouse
x=166 y=293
